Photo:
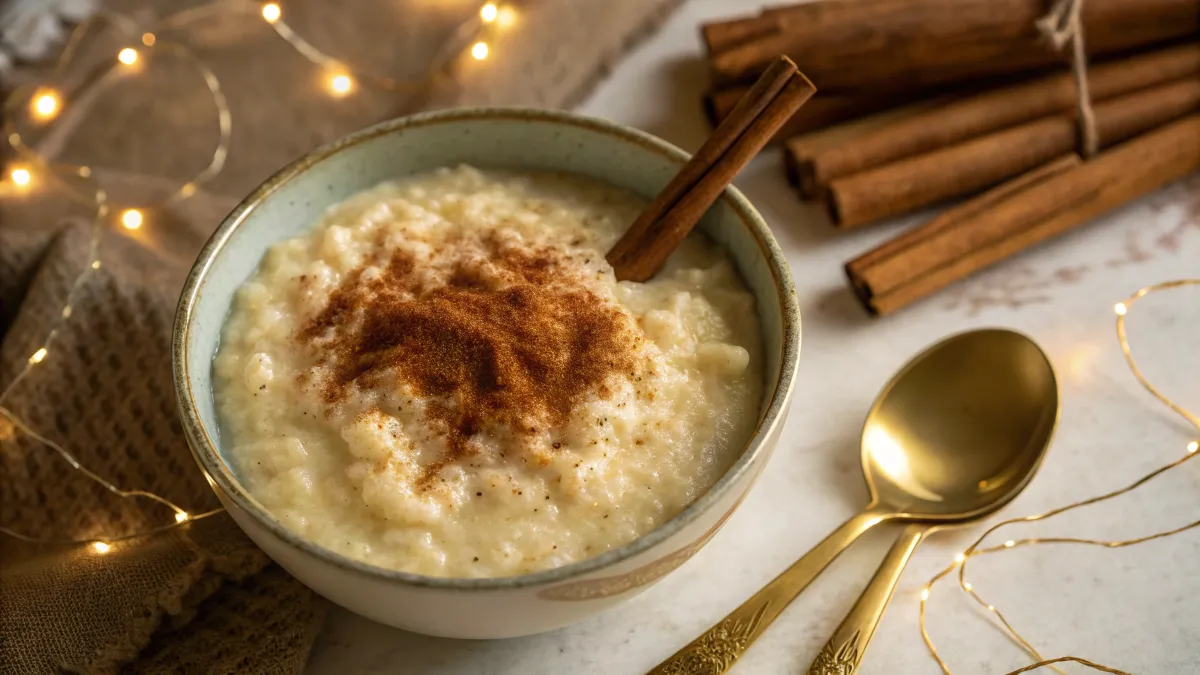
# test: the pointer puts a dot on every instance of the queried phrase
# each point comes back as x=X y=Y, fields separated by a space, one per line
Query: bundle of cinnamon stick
x=925 y=101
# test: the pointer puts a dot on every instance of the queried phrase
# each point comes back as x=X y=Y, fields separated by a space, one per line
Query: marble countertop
x=1134 y=608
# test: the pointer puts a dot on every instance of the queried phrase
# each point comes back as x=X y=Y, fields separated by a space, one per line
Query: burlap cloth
x=200 y=597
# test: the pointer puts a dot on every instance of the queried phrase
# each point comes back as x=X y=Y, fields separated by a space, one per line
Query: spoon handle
x=720 y=646
x=844 y=651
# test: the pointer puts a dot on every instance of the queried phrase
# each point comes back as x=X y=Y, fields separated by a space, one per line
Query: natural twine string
x=1061 y=25
x=959 y=564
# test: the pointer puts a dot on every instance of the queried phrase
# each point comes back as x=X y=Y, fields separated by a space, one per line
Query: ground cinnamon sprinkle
x=498 y=344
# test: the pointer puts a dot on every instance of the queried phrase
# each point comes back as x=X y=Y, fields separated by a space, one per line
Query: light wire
x=959 y=564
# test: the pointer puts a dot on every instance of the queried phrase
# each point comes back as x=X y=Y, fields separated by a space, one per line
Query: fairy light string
x=43 y=103
x=958 y=566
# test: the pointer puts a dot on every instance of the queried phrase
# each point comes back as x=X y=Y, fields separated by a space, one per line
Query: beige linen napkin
x=104 y=392
x=201 y=597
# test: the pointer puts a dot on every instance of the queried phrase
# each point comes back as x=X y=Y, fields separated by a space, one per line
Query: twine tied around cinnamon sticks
x=1061 y=25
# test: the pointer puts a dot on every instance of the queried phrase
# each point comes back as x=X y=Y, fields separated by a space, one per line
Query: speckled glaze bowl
x=293 y=199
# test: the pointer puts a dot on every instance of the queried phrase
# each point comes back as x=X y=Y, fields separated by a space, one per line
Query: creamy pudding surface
x=444 y=376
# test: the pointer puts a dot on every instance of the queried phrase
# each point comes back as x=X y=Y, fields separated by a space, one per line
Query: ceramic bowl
x=293 y=199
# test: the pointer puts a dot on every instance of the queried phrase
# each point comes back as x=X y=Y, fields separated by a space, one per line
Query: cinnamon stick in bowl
x=664 y=223
x=1033 y=208
x=965 y=168
x=987 y=112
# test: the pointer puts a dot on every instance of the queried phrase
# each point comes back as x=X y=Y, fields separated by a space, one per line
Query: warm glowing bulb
x=506 y=17
x=489 y=12
x=95 y=264
x=128 y=56
x=479 y=50
x=270 y=12
x=1010 y=543
x=100 y=547
x=46 y=105
x=1193 y=446
x=967 y=585
x=1120 y=309
x=180 y=516
x=924 y=593
x=991 y=608
x=38 y=356
x=21 y=177
x=959 y=558
x=148 y=39
x=341 y=84
x=131 y=219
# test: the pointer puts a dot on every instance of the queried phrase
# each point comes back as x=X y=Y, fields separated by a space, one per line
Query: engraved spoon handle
x=720 y=646
x=844 y=651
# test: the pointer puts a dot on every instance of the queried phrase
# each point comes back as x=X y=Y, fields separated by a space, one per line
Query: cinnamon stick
x=801 y=147
x=664 y=223
x=987 y=112
x=877 y=45
x=820 y=112
x=964 y=168
x=720 y=36
x=1027 y=211
x=902 y=270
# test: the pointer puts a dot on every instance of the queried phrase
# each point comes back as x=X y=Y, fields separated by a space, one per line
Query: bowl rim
x=219 y=474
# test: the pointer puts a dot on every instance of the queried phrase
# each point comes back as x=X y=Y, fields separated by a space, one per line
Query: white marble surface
x=1134 y=608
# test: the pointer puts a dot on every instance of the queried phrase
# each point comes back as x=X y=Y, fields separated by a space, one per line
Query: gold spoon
x=954 y=435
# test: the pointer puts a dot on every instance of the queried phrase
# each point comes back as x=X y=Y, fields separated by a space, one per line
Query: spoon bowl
x=962 y=428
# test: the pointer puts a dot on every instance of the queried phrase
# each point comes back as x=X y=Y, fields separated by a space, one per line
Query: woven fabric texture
x=198 y=598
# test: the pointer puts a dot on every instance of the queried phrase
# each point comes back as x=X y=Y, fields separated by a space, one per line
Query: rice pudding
x=444 y=377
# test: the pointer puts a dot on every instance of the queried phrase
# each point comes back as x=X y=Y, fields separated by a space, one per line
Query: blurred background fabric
x=200 y=597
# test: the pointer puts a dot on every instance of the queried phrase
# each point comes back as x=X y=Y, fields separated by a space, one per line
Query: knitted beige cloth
x=200 y=597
